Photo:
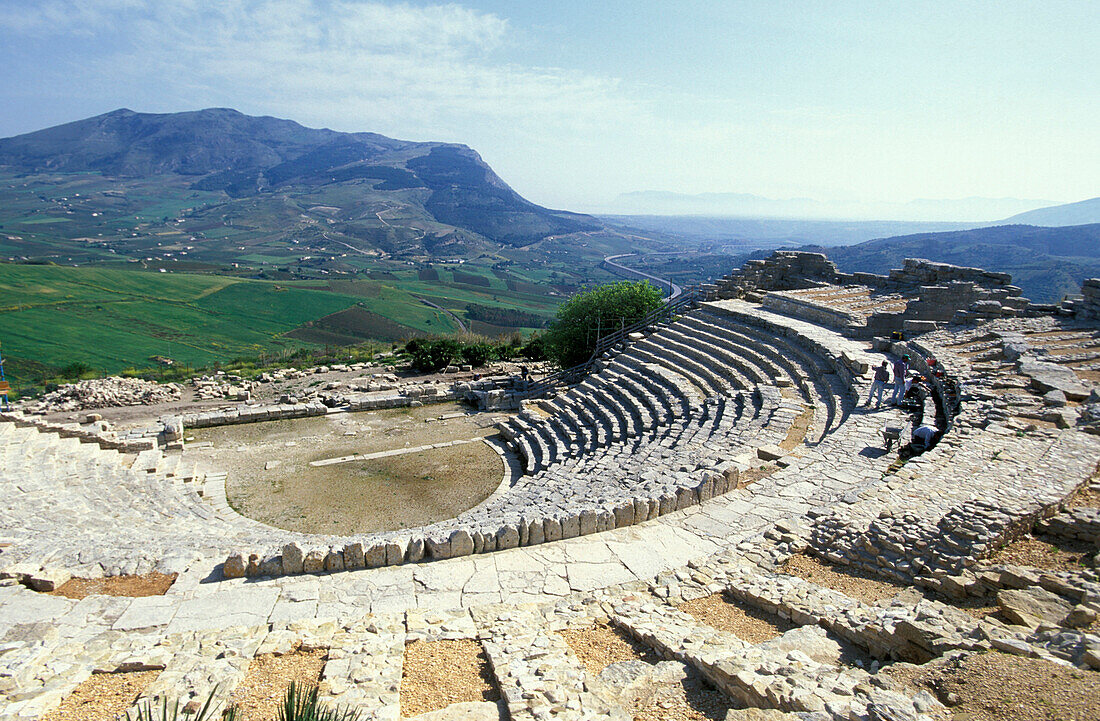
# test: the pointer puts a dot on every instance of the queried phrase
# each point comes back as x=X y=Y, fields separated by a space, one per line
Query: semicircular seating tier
x=681 y=419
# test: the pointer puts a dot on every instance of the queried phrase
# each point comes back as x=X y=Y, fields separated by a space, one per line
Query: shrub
x=478 y=354
x=432 y=354
x=585 y=317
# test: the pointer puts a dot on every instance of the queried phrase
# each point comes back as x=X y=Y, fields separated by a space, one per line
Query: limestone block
x=334 y=561
x=605 y=521
x=551 y=529
x=292 y=558
x=48 y=579
x=667 y=503
x=536 y=532
x=571 y=526
x=461 y=543
x=234 y=566
x=507 y=537
x=253 y=566
x=624 y=514
x=375 y=556
x=414 y=552
x=314 y=562
x=769 y=452
x=587 y=522
x=271 y=566
x=1033 y=605
x=685 y=498
x=437 y=548
x=395 y=552
x=705 y=487
x=353 y=556
x=641 y=510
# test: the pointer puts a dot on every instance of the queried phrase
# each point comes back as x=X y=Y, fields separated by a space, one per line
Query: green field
x=117 y=318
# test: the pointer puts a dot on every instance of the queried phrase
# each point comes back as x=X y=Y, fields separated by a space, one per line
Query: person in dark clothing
x=901 y=368
x=882 y=374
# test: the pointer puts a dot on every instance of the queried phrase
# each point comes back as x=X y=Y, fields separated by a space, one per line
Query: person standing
x=882 y=374
x=901 y=368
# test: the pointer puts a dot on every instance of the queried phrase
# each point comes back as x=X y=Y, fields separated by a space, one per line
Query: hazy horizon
x=861 y=108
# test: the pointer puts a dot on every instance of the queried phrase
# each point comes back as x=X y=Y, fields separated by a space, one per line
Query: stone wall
x=940 y=292
x=1088 y=308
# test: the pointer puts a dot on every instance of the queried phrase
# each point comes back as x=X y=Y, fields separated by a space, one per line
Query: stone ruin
x=694 y=460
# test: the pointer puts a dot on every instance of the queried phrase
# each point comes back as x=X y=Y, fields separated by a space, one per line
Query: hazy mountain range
x=964 y=210
x=1047 y=263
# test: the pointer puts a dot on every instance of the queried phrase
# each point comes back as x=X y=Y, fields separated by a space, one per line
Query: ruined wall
x=940 y=292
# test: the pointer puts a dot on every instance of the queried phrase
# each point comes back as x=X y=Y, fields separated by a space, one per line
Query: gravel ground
x=855 y=583
x=437 y=674
x=868 y=588
x=998 y=687
x=270 y=478
x=748 y=624
x=261 y=693
x=1042 y=553
x=102 y=697
x=600 y=645
x=797 y=432
x=691 y=700
x=149 y=584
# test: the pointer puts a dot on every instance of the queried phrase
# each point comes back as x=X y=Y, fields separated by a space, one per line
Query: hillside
x=1047 y=263
x=222 y=178
x=1080 y=213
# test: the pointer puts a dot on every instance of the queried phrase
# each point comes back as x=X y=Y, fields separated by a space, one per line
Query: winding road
x=673 y=289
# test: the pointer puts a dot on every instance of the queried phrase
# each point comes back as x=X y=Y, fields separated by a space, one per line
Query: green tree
x=586 y=316
x=432 y=354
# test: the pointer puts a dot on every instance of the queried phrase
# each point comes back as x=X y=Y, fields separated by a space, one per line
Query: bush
x=535 y=349
x=587 y=316
x=429 y=355
x=478 y=354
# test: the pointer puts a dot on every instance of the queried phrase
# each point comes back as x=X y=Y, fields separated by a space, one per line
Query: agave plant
x=301 y=703
x=165 y=711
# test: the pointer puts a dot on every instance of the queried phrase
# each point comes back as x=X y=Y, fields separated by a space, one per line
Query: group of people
x=924 y=435
x=882 y=376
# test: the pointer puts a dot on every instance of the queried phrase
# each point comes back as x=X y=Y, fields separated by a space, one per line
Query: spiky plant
x=150 y=711
x=302 y=703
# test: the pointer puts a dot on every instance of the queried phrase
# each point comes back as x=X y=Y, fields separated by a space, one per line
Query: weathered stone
x=292 y=558
x=414 y=552
x=314 y=562
x=1032 y=606
x=334 y=561
x=353 y=556
x=462 y=544
x=395 y=552
x=235 y=566
x=507 y=537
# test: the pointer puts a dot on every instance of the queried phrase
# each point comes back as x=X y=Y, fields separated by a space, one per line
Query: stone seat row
x=649 y=385
x=98 y=511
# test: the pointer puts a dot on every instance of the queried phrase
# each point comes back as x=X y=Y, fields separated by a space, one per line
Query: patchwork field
x=111 y=319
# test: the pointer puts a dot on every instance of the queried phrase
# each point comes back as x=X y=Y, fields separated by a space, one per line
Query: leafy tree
x=586 y=316
x=477 y=354
x=432 y=354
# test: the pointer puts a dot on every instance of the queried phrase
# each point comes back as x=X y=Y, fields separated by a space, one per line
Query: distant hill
x=1080 y=213
x=971 y=211
x=1047 y=263
x=256 y=158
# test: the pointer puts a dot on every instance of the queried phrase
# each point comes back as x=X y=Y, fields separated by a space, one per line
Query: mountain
x=1047 y=263
x=219 y=150
x=957 y=210
x=1080 y=213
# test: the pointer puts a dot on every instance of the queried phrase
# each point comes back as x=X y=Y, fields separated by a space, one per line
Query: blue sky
x=575 y=102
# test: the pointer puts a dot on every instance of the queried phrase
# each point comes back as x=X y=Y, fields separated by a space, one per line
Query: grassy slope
x=112 y=319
